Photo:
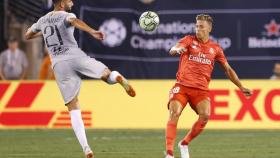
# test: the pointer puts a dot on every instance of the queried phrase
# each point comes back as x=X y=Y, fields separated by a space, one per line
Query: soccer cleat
x=169 y=156
x=124 y=83
x=88 y=152
x=184 y=150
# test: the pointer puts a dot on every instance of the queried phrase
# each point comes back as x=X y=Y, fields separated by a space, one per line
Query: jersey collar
x=200 y=41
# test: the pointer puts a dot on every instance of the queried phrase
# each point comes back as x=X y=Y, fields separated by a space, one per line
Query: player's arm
x=30 y=35
x=234 y=78
x=33 y=32
x=83 y=26
x=181 y=46
x=177 y=50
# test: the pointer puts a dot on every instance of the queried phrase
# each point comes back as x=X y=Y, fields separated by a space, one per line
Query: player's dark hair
x=205 y=17
x=56 y=1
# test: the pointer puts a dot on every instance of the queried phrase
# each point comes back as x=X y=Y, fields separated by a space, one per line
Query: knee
x=73 y=104
x=174 y=115
x=175 y=110
x=204 y=116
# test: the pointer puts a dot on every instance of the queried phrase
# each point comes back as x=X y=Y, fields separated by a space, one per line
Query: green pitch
x=138 y=144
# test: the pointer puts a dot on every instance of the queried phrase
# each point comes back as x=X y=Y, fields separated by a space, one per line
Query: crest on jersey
x=211 y=50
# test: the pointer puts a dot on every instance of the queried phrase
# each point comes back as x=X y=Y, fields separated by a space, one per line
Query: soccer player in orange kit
x=197 y=56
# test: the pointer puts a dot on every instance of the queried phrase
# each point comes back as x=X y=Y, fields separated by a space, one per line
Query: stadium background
x=247 y=30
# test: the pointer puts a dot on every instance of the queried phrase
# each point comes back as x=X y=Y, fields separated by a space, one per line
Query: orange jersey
x=197 y=62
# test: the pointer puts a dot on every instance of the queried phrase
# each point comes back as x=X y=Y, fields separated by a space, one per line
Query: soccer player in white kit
x=68 y=61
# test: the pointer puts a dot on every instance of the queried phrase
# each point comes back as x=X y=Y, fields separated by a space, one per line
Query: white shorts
x=67 y=74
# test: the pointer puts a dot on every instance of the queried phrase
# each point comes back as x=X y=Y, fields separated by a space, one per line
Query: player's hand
x=98 y=35
x=176 y=50
x=246 y=92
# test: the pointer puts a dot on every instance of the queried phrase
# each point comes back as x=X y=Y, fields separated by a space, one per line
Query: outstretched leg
x=203 y=110
x=115 y=77
x=78 y=126
x=175 y=110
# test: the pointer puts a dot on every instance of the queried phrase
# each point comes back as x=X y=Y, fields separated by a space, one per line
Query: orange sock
x=170 y=136
x=196 y=129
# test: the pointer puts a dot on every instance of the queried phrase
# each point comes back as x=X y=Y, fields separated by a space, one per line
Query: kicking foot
x=124 y=83
x=184 y=150
x=88 y=152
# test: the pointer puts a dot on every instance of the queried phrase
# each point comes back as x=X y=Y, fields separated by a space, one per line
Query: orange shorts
x=186 y=95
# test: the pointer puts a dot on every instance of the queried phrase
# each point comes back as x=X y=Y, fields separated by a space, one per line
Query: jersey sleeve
x=69 y=16
x=36 y=27
x=185 y=42
x=220 y=57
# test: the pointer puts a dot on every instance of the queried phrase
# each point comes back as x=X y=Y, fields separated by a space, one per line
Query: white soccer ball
x=149 y=21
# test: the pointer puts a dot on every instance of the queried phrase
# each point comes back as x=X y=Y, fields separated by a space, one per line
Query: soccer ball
x=149 y=21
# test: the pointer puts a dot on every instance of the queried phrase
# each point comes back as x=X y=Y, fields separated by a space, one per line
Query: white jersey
x=58 y=36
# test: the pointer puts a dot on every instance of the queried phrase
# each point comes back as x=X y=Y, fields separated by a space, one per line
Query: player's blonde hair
x=205 y=17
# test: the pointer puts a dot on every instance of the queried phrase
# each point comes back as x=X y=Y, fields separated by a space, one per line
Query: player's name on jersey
x=52 y=20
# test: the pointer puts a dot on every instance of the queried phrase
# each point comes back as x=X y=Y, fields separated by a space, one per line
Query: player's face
x=203 y=28
x=68 y=4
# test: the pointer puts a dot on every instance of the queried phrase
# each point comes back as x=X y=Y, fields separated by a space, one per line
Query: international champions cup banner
x=40 y=105
x=248 y=31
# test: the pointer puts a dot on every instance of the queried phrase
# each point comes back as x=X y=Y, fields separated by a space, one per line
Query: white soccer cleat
x=128 y=88
x=88 y=152
x=169 y=156
x=184 y=150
